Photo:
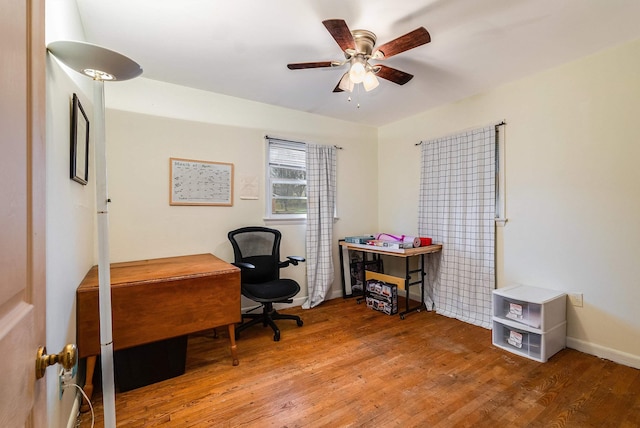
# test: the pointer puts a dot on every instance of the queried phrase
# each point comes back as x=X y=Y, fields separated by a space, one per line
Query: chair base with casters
x=267 y=318
x=261 y=292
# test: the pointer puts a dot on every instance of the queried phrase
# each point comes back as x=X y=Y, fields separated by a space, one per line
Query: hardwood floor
x=351 y=366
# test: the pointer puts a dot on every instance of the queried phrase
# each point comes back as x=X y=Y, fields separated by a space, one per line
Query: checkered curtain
x=321 y=195
x=457 y=208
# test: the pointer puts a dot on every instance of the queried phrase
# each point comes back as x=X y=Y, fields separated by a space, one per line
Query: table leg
x=234 y=349
x=409 y=283
x=88 y=382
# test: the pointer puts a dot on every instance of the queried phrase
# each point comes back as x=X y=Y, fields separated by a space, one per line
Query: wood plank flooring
x=350 y=366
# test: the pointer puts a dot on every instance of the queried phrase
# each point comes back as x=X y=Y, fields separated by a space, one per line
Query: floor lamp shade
x=81 y=56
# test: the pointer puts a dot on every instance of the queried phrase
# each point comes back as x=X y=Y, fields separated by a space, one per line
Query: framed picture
x=79 y=143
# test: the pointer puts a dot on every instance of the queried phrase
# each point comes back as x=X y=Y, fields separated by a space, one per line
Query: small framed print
x=79 y=143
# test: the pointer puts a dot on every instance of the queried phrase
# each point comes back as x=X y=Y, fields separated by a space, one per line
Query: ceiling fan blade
x=340 y=32
x=417 y=37
x=337 y=88
x=393 y=75
x=303 y=65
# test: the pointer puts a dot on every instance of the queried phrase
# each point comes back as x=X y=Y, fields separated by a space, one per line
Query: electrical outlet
x=576 y=299
x=65 y=377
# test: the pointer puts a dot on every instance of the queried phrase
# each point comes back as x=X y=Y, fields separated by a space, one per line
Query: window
x=286 y=180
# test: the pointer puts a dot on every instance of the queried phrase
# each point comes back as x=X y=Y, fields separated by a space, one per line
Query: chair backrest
x=259 y=246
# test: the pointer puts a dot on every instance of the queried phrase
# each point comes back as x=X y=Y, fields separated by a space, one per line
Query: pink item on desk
x=414 y=240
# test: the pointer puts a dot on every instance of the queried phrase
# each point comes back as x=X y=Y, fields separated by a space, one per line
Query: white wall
x=573 y=199
x=70 y=206
x=163 y=120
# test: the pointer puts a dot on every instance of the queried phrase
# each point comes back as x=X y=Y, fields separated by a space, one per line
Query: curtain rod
x=496 y=125
x=291 y=141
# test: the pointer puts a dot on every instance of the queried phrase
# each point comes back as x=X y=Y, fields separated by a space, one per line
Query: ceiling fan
x=358 y=47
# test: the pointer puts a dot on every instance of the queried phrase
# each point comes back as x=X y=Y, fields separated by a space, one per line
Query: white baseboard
x=604 y=352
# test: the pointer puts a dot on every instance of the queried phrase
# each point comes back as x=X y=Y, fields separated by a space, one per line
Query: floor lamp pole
x=100 y=64
x=104 y=265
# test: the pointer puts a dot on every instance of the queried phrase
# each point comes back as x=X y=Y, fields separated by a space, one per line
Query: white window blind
x=286 y=179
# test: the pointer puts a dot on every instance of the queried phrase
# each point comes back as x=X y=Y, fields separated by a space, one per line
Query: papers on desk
x=395 y=245
x=358 y=239
x=367 y=246
x=389 y=241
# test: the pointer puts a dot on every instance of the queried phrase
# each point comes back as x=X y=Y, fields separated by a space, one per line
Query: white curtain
x=457 y=208
x=321 y=191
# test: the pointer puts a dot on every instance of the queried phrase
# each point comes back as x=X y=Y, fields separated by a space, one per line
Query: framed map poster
x=195 y=182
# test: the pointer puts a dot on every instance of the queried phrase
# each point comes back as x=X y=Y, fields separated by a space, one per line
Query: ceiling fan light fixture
x=346 y=84
x=370 y=81
x=357 y=71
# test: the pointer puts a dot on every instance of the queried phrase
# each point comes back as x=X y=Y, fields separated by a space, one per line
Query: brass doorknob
x=68 y=358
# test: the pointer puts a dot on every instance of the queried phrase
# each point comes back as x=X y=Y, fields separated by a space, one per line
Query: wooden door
x=22 y=211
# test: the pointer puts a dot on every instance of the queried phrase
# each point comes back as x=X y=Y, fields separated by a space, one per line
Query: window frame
x=270 y=216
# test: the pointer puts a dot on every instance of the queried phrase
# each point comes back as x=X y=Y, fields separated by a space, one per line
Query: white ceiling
x=241 y=47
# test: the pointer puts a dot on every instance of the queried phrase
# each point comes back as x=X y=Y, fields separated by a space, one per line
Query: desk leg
x=234 y=349
x=423 y=283
x=408 y=283
x=88 y=383
x=363 y=272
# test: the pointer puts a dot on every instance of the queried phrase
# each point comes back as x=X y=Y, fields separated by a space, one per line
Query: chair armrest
x=296 y=259
x=293 y=260
x=243 y=265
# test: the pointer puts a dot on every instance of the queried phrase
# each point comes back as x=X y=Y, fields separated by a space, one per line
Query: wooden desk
x=406 y=254
x=158 y=299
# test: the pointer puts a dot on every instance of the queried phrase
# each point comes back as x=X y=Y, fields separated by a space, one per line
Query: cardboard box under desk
x=389 y=279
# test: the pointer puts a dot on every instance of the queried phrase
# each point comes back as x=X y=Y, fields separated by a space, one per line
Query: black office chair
x=256 y=252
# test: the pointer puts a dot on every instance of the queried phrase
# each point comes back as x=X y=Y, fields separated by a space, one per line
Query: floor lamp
x=101 y=65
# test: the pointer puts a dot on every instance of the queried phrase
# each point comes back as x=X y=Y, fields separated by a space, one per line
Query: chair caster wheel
x=276 y=337
x=401 y=317
x=299 y=322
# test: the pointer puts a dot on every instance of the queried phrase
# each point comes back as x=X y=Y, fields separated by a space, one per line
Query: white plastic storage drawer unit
x=533 y=307
x=529 y=321
x=530 y=344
